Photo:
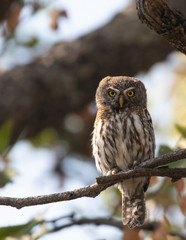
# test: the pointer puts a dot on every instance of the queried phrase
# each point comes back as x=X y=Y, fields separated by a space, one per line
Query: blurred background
x=52 y=56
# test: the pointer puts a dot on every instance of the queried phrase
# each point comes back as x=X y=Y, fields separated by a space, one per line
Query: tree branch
x=109 y=221
x=167 y=22
x=143 y=170
x=165 y=159
x=95 y=221
x=175 y=173
x=147 y=168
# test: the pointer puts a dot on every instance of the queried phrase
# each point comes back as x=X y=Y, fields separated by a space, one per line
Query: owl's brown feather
x=122 y=138
x=133 y=210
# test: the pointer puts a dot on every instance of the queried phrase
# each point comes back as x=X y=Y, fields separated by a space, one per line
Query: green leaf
x=181 y=130
x=6 y=176
x=28 y=229
x=179 y=163
x=5 y=134
x=163 y=149
x=31 y=43
x=17 y=230
x=47 y=136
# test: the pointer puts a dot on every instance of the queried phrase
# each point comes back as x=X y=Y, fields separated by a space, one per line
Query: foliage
x=25 y=231
x=182 y=130
x=5 y=135
x=47 y=137
x=6 y=176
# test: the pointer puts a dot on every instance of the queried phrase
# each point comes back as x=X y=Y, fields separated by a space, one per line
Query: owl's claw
x=113 y=171
x=134 y=165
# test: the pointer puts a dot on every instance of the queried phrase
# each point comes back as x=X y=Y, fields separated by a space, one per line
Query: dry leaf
x=182 y=203
x=180 y=185
x=63 y=13
x=54 y=15
x=160 y=233
x=130 y=234
x=153 y=181
x=13 y=17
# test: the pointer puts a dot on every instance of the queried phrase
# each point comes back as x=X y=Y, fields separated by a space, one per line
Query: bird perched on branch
x=123 y=137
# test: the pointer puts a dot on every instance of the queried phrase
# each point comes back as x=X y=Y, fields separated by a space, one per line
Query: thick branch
x=165 y=21
x=105 y=182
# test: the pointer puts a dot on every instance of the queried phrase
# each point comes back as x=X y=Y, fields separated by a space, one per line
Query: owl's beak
x=121 y=101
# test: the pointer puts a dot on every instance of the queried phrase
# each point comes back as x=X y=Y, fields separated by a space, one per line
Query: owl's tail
x=133 y=210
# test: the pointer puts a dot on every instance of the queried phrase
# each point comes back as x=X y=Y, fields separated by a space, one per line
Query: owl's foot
x=113 y=171
x=134 y=165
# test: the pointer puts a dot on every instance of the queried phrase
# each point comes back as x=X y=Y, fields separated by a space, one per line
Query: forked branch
x=147 y=168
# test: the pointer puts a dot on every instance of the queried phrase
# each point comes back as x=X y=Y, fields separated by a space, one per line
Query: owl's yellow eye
x=111 y=93
x=130 y=93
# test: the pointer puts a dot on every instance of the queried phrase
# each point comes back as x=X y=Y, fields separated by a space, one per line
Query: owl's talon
x=135 y=164
x=113 y=171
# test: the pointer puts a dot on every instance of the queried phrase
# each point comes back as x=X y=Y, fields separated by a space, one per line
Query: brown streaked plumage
x=123 y=137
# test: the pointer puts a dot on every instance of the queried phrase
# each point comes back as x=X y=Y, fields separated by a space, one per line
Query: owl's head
x=121 y=92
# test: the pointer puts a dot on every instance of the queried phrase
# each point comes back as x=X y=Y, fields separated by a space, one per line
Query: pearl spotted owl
x=123 y=137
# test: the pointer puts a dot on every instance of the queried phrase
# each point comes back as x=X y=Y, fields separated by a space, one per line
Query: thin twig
x=102 y=221
x=175 y=173
x=165 y=159
x=151 y=226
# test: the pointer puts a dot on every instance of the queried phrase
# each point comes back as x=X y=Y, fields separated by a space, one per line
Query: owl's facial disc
x=120 y=92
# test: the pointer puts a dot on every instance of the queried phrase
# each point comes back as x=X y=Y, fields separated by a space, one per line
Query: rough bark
x=166 y=21
x=40 y=94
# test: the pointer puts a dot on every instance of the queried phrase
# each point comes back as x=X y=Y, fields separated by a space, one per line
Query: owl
x=123 y=137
